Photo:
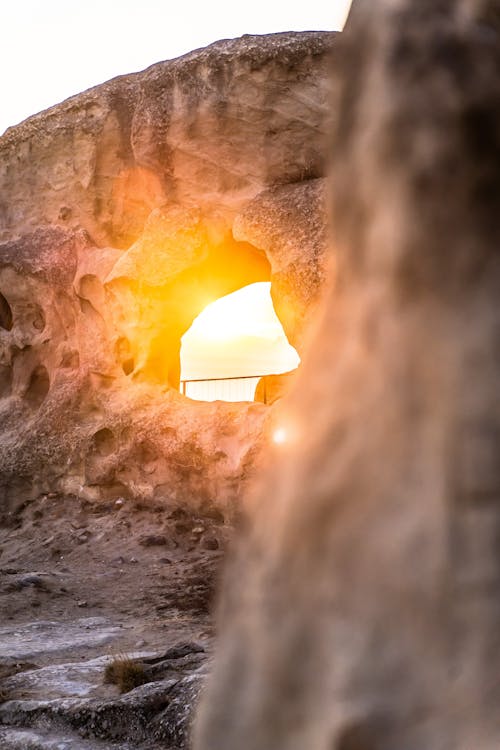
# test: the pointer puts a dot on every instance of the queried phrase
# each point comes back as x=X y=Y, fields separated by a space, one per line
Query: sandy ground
x=148 y=570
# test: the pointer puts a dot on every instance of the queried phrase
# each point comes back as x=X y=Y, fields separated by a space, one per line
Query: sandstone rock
x=270 y=388
x=362 y=609
x=57 y=639
x=116 y=229
x=127 y=717
x=68 y=702
x=213 y=127
x=43 y=739
x=173 y=725
x=289 y=223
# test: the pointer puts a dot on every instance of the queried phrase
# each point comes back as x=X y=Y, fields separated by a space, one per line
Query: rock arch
x=183 y=262
x=170 y=203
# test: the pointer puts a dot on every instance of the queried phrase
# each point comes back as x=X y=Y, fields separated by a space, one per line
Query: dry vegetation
x=125 y=672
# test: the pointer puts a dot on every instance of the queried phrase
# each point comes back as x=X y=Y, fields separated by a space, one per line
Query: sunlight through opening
x=234 y=342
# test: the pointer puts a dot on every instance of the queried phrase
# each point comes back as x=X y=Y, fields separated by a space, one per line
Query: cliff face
x=123 y=212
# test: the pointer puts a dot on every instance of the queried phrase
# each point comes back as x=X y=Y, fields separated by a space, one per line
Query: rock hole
x=147 y=456
x=104 y=442
x=90 y=288
x=232 y=344
x=38 y=387
x=86 y=307
x=128 y=366
x=39 y=321
x=124 y=355
x=71 y=359
x=65 y=213
x=29 y=317
x=6 y=319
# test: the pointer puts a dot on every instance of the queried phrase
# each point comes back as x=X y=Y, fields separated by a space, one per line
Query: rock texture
x=362 y=610
x=215 y=126
x=123 y=212
x=85 y=583
x=297 y=256
x=67 y=702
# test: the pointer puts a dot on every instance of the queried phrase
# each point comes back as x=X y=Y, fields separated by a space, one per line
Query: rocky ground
x=82 y=584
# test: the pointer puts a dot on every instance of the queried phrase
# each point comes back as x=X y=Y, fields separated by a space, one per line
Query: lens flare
x=280 y=436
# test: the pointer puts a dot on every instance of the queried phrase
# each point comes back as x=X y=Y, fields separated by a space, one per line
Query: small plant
x=124 y=672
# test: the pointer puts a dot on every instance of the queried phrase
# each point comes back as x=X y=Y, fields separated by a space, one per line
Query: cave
x=233 y=344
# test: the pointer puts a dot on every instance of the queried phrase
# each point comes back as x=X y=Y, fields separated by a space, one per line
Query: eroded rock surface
x=288 y=223
x=83 y=584
x=70 y=699
x=117 y=213
x=363 y=608
x=215 y=126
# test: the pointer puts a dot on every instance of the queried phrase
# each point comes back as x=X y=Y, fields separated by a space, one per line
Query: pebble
x=211 y=543
x=153 y=540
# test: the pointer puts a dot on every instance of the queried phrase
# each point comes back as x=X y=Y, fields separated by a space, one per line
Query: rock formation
x=361 y=611
x=123 y=212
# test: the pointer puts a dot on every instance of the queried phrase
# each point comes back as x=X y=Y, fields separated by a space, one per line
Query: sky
x=52 y=49
x=239 y=334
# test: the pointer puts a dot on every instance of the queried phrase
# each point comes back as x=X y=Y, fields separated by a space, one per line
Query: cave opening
x=233 y=346
x=200 y=317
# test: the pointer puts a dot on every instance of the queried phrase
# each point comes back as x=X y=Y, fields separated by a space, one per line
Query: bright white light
x=280 y=436
x=237 y=335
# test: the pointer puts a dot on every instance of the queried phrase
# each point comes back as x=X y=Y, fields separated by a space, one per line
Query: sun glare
x=280 y=436
x=247 y=312
x=237 y=336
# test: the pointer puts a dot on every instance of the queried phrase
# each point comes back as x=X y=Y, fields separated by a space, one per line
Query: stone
x=180 y=132
x=153 y=540
x=68 y=701
x=43 y=739
x=173 y=725
x=361 y=609
x=210 y=543
x=289 y=224
x=124 y=211
x=56 y=639
x=28 y=580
